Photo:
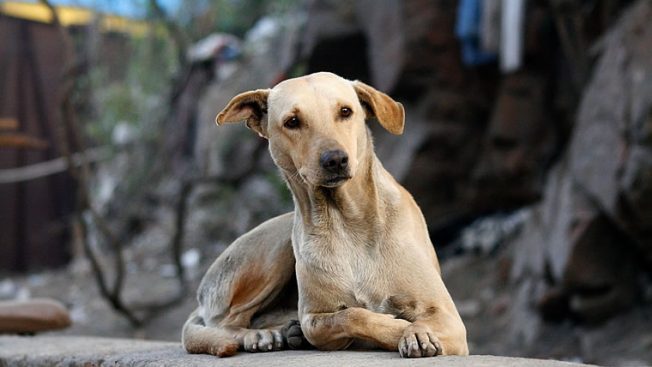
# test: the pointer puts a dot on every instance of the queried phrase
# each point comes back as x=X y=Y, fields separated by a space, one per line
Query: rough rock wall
x=589 y=239
x=487 y=138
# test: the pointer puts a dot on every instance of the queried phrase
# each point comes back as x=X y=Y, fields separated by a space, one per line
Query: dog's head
x=315 y=124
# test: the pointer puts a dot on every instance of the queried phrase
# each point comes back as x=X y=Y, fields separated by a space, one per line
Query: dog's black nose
x=334 y=161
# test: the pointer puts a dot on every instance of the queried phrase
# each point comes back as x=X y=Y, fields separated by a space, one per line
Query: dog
x=353 y=263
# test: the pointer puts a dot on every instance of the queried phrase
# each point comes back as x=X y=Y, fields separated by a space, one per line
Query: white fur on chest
x=343 y=259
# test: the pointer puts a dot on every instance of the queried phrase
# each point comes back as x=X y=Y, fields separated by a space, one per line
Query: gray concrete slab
x=93 y=351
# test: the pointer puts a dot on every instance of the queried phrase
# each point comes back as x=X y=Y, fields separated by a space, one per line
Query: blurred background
x=528 y=146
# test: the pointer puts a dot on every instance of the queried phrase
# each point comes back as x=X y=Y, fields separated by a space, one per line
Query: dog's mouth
x=335 y=181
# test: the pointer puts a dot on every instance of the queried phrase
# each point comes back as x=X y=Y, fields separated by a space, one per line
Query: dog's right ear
x=250 y=107
x=387 y=111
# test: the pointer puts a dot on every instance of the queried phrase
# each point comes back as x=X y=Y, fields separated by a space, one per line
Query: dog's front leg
x=439 y=333
x=337 y=330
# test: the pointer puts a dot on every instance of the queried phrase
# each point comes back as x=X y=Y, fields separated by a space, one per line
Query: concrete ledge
x=92 y=351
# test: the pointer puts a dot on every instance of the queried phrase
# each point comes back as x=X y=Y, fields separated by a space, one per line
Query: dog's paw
x=263 y=340
x=293 y=335
x=419 y=341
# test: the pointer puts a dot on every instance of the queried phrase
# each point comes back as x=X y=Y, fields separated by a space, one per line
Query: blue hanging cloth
x=467 y=29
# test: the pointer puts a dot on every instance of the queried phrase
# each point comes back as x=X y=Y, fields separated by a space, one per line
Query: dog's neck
x=360 y=202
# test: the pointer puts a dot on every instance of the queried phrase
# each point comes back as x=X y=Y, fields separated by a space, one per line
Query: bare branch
x=69 y=135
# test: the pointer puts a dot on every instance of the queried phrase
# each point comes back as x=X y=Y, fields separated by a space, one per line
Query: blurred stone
x=517 y=143
x=601 y=276
x=8 y=289
x=383 y=24
x=190 y=258
x=327 y=19
x=32 y=316
x=440 y=174
x=432 y=51
x=78 y=314
x=395 y=151
x=486 y=234
x=554 y=305
x=228 y=151
x=587 y=235
x=168 y=271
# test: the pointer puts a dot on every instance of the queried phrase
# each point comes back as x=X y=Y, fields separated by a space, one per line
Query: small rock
x=78 y=314
x=33 y=316
x=22 y=294
x=8 y=289
x=190 y=258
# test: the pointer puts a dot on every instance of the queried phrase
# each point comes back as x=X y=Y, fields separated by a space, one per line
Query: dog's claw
x=263 y=341
x=278 y=339
x=419 y=343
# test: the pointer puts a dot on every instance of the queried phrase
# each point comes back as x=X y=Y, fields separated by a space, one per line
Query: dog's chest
x=352 y=270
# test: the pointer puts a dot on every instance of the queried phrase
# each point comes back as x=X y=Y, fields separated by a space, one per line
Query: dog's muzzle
x=335 y=164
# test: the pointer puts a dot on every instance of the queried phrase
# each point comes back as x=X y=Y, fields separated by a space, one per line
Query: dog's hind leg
x=199 y=339
x=247 y=295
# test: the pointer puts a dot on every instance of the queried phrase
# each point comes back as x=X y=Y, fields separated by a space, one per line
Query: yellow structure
x=73 y=16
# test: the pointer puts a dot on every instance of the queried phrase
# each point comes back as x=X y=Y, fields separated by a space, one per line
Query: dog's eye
x=292 y=123
x=345 y=112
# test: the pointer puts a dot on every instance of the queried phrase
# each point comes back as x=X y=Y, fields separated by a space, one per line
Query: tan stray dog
x=357 y=242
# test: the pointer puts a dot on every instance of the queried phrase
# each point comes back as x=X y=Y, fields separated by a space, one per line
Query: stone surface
x=87 y=351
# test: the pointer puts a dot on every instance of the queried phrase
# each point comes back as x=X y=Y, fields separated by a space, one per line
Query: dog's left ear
x=387 y=111
x=249 y=107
